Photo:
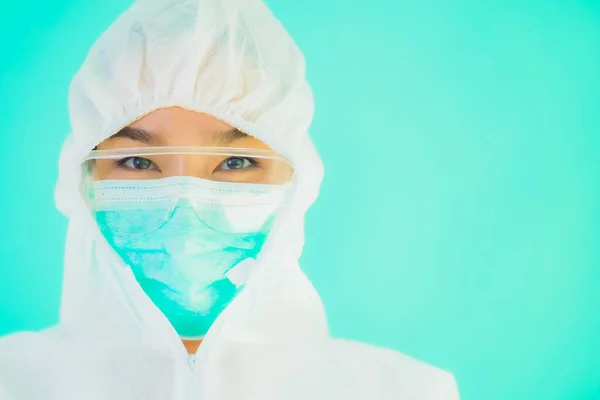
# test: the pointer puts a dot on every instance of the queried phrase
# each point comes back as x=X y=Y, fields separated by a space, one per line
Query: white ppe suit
x=233 y=60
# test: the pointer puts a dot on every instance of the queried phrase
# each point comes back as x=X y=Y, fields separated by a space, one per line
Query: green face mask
x=180 y=254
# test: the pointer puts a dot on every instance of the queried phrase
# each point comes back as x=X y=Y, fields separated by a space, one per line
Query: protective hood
x=227 y=58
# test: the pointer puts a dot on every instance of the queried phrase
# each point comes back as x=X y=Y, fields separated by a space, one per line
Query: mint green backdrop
x=459 y=220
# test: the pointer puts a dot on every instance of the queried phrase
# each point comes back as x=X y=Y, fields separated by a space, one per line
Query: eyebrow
x=230 y=136
x=138 y=135
x=141 y=135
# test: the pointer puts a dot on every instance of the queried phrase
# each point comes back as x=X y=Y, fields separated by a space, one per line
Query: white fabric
x=231 y=59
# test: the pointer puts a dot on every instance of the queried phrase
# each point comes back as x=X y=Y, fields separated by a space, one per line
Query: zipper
x=186 y=379
x=192 y=375
x=192 y=361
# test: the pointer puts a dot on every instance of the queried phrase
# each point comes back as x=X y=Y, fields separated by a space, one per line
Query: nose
x=197 y=165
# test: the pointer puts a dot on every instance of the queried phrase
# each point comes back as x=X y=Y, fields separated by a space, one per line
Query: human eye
x=238 y=163
x=137 y=163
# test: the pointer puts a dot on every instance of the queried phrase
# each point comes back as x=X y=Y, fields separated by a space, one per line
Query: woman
x=185 y=180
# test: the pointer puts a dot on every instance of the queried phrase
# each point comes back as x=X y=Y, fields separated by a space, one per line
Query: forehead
x=176 y=126
x=165 y=119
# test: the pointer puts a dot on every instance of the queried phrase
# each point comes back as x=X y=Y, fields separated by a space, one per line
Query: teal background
x=459 y=220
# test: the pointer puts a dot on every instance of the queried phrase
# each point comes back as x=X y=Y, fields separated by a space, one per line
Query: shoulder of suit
x=396 y=371
x=23 y=346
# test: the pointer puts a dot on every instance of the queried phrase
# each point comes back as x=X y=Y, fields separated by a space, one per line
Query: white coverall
x=233 y=60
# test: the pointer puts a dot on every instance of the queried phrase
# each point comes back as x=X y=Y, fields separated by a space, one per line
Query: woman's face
x=175 y=126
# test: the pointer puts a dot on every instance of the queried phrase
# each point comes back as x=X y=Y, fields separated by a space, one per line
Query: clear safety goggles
x=220 y=164
x=238 y=191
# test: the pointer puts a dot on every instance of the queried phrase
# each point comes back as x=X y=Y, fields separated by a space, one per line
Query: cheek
x=100 y=169
x=279 y=172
